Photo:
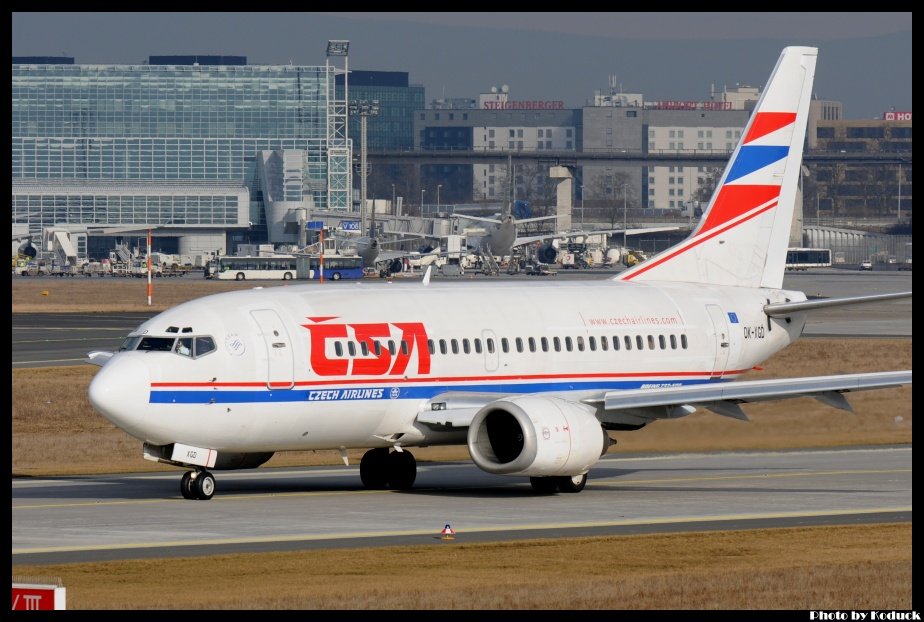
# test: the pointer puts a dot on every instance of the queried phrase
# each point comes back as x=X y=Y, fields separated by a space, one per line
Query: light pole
x=340 y=194
x=582 y=206
x=364 y=110
x=422 y=191
x=899 y=193
x=393 y=198
x=438 y=186
x=625 y=214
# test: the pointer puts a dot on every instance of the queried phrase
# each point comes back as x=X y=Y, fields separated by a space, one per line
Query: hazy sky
x=864 y=58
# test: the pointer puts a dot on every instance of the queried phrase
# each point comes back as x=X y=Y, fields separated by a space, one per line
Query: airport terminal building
x=206 y=149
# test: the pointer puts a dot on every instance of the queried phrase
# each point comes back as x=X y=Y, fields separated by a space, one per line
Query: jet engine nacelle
x=547 y=253
x=536 y=436
x=27 y=250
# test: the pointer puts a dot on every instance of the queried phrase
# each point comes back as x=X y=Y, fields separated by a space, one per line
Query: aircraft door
x=721 y=339
x=280 y=360
x=491 y=347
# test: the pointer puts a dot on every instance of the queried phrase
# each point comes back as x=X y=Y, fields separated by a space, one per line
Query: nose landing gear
x=197 y=485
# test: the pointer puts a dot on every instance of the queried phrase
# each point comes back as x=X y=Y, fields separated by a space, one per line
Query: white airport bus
x=805 y=258
x=277 y=267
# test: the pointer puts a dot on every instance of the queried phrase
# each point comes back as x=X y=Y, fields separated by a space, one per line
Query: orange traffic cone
x=448 y=533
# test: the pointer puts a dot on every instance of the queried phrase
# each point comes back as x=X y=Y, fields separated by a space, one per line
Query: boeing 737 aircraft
x=224 y=381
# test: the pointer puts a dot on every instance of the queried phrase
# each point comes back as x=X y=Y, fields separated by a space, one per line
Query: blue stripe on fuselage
x=334 y=394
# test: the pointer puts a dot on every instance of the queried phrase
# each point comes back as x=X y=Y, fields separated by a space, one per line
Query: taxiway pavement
x=86 y=518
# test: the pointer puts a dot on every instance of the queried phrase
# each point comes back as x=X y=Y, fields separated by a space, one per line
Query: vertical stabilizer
x=744 y=233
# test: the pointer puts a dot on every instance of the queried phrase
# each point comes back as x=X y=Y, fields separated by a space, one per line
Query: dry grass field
x=108 y=294
x=850 y=567
x=56 y=431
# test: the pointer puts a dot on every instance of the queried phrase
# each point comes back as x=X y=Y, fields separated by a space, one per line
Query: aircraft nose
x=120 y=391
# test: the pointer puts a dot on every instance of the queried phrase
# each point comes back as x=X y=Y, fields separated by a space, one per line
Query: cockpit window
x=157 y=344
x=129 y=343
x=184 y=346
x=204 y=345
x=192 y=347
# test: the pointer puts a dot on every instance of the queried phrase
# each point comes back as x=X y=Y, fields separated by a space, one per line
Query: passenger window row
x=519 y=344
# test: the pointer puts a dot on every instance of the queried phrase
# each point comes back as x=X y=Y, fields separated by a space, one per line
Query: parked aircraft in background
x=397 y=366
x=501 y=236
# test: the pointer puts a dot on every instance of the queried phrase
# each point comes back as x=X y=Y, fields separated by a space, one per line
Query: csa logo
x=390 y=348
x=395 y=393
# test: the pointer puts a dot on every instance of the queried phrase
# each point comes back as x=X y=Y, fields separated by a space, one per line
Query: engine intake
x=536 y=436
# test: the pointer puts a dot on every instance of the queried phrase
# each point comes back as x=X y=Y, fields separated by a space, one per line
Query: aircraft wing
x=521 y=240
x=643 y=405
x=411 y=237
x=521 y=221
x=406 y=234
x=493 y=221
x=392 y=255
x=636 y=407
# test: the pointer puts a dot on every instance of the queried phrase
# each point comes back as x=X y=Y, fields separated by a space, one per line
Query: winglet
x=426 y=278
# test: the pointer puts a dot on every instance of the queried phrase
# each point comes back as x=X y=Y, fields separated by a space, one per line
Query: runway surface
x=45 y=340
x=52 y=339
x=85 y=518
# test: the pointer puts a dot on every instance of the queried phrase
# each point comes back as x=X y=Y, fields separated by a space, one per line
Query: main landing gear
x=567 y=483
x=197 y=485
x=380 y=469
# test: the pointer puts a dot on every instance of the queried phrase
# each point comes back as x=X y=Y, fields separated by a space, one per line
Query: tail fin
x=744 y=233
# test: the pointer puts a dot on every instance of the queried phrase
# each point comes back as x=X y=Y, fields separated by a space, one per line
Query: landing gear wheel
x=373 y=469
x=574 y=483
x=544 y=485
x=186 y=486
x=204 y=486
x=402 y=470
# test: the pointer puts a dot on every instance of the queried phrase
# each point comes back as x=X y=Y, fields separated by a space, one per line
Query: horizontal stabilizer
x=778 y=309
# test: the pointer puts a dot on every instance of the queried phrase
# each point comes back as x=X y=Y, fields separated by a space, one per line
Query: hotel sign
x=525 y=105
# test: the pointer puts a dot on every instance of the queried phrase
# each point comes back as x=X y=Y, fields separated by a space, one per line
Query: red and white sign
x=32 y=597
x=897 y=116
x=525 y=105
x=689 y=105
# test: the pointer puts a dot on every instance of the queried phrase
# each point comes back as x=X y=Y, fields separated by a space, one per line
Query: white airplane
x=393 y=367
x=501 y=236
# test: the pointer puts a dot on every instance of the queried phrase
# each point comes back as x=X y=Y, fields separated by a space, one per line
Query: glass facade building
x=393 y=127
x=169 y=144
